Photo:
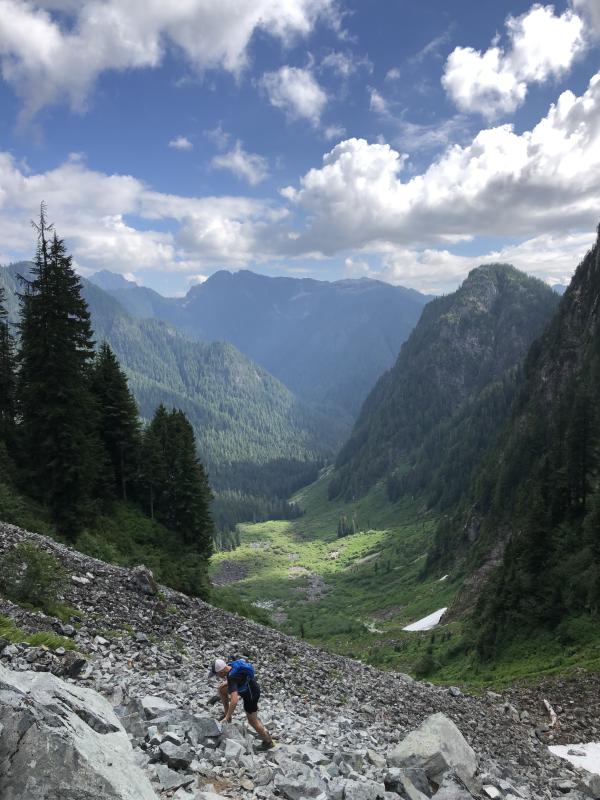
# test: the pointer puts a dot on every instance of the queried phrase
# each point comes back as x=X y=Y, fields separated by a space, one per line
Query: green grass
x=524 y=660
x=374 y=587
x=124 y=536
x=371 y=581
x=10 y=632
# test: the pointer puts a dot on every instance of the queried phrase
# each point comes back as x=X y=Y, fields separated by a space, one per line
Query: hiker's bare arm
x=233 y=700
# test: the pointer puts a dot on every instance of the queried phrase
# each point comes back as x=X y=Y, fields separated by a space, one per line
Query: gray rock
x=311 y=755
x=439 y=739
x=156 y=706
x=70 y=665
x=183 y=794
x=143 y=580
x=491 y=792
x=452 y=790
x=199 y=728
x=177 y=757
x=232 y=749
x=410 y=783
x=298 y=788
x=591 y=784
x=169 y=779
x=60 y=740
x=363 y=790
x=376 y=759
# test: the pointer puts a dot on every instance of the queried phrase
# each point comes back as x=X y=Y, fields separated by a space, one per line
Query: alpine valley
x=299 y=400
x=467 y=491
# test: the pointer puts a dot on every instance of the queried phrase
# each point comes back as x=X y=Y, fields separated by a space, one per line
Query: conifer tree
x=152 y=473
x=175 y=481
x=7 y=377
x=55 y=405
x=117 y=419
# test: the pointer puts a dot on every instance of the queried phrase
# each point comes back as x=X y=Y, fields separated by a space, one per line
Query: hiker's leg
x=224 y=696
x=258 y=726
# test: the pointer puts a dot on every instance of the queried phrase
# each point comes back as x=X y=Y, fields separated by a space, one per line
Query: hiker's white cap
x=219 y=665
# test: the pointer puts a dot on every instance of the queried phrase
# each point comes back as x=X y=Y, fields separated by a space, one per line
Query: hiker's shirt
x=240 y=679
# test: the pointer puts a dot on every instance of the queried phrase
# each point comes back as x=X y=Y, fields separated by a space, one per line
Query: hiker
x=241 y=683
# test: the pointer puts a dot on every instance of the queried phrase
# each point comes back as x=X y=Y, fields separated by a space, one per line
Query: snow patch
x=427 y=623
x=443 y=578
x=586 y=756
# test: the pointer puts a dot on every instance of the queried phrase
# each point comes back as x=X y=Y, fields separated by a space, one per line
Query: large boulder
x=63 y=742
x=438 y=746
x=144 y=580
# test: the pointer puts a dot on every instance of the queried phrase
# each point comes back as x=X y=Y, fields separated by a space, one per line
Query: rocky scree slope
x=345 y=731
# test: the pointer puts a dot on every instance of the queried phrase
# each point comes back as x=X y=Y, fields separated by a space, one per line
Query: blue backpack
x=242 y=671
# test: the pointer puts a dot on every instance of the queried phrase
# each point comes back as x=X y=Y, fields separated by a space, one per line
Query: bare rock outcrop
x=63 y=741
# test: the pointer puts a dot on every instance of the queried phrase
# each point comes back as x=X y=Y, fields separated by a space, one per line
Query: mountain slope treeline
x=71 y=437
x=258 y=442
x=539 y=491
x=327 y=342
x=428 y=417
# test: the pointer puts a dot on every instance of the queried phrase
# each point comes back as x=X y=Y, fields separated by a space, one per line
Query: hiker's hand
x=224 y=720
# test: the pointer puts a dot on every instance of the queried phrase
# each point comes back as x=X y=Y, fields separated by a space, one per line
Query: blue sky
x=384 y=138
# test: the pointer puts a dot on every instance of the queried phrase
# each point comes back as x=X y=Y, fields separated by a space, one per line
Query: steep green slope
x=463 y=344
x=328 y=342
x=539 y=494
x=253 y=434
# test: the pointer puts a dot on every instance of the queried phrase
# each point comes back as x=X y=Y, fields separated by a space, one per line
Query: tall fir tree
x=7 y=377
x=175 y=482
x=152 y=474
x=55 y=405
x=117 y=420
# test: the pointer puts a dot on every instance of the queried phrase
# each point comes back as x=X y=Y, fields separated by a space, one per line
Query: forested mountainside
x=327 y=342
x=428 y=417
x=74 y=459
x=258 y=441
x=539 y=491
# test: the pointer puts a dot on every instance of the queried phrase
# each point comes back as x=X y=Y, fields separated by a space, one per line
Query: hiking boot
x=267 y=745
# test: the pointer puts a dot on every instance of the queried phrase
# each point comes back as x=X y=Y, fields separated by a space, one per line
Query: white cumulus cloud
x=248 y=166
x=378 y=103
x=590 y=11
x=501 y=184
x=181 y=143
x=541 y=46
x=48 y=56
x=296 y=92
x=95 y=213
x=550 y=257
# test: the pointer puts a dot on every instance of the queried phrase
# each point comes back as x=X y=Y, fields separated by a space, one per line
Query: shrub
x=29 y=574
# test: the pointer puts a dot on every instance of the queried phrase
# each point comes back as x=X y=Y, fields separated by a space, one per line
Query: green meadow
x=351 y=595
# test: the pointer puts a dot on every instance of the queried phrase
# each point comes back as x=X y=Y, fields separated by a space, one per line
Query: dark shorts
x=251 y=698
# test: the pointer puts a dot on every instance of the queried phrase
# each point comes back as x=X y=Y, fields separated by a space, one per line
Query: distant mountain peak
x=109 y=281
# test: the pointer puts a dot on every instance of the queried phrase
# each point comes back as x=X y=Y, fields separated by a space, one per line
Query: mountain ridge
x=462 y=343
x=246 y=421
x=326 y=341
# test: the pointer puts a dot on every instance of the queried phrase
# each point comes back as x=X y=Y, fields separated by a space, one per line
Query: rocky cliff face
x=344 y=730
x=462 y=343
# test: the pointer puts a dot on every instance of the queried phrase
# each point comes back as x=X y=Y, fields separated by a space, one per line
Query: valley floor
x=355 y=595
x=352 y=595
